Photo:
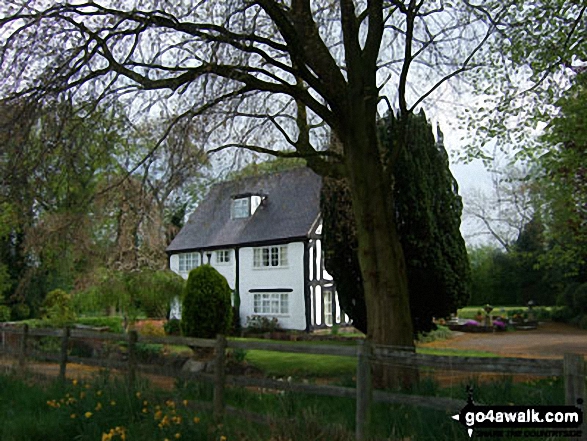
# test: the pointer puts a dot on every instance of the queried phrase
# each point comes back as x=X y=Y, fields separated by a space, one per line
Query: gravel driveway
x=549 y=340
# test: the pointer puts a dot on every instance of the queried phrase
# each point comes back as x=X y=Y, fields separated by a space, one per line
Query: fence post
x=63 y=355
x=364 y=389
x=219 y=378
x=133 y=337
x=23 y=347
x=574 y=371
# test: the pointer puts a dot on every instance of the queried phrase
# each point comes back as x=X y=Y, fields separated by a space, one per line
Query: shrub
x=580 y=299
x=4 y=313
x=151 y=330
x=259 y=323
x=206 y=309
x=172 y=327
x=153 y=291
x=58 y=308
x=21 y=311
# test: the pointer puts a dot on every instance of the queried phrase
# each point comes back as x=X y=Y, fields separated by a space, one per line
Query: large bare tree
x=263 y=74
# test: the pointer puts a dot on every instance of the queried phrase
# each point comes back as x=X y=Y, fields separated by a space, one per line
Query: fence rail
x=572 y=367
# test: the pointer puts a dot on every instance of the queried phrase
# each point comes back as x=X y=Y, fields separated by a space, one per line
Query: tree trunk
x=380 y=253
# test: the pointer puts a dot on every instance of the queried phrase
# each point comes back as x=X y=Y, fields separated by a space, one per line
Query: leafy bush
x=153 y=291
x=151 y=330
x=172 y=327
x=580 y=299
x=58 y=308
x=4 y=313
x=113 y=322
x=206 y=309
x=562 y=314
x=149 y=292
x=21 y=311
x=260 y=323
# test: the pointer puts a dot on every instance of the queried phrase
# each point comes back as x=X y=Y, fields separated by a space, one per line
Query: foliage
x=172 y=327
x=21 y=311
x=428 y=219
x=529 y=64
x=4 y=313
x=206 y=309
x=261 y=323
x=58 y=308
x=153 y=291
x=151 y=330
x=336 y=56
x=148 y=292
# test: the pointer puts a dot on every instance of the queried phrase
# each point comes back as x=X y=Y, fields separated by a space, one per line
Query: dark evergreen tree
x=428 y=219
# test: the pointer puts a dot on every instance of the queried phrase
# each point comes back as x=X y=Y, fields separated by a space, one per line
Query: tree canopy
x=264 y=74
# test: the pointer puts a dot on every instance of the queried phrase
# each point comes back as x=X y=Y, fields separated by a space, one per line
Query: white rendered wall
x=289 y=277
x=228 y=270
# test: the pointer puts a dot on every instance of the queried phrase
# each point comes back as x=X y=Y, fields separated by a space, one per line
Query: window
x=328 y=307
x=271 y=303
x=223 y=256
x=267 y=257
x=188 y=261
x=240 y=208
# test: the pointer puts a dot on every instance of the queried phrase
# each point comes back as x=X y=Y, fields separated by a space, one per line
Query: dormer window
x=244 y=206
x=241 y=208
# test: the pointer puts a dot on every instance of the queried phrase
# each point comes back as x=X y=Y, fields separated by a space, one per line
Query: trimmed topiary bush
x=206 y=309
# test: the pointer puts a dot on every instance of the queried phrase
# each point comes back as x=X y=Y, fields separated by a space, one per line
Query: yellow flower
x=145 y=403
x=107 y=436
x=145 y=410
x=74 y=382
x=72 y=416
x=113 y=403
x=98 y=406
x=88 y=414
x=177 y=435
x=185 y=402
x=99 y=393
x=196 y=420
x=222 y=438
x=138 y=395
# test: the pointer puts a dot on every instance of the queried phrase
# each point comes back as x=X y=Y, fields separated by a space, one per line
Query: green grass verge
x=88 y=411
x=282 y=364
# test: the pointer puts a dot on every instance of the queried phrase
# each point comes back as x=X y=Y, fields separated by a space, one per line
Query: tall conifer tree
x=428 y=214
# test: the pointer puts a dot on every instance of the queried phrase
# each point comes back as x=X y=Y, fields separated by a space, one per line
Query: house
x=263 y=234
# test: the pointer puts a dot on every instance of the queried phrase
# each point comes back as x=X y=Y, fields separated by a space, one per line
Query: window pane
x=265 y=256
x=240 y=208
x=283 y=255
x=274 y=256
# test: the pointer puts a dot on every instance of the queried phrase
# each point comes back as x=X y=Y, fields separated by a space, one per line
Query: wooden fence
x=572 y=367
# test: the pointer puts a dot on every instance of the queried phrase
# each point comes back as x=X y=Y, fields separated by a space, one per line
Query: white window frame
x=240 y=208
x=271 y=303
x=188 y=261
x=222 y=257
x=270 y=257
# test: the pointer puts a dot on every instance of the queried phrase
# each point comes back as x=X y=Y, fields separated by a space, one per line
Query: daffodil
x=88 y=414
